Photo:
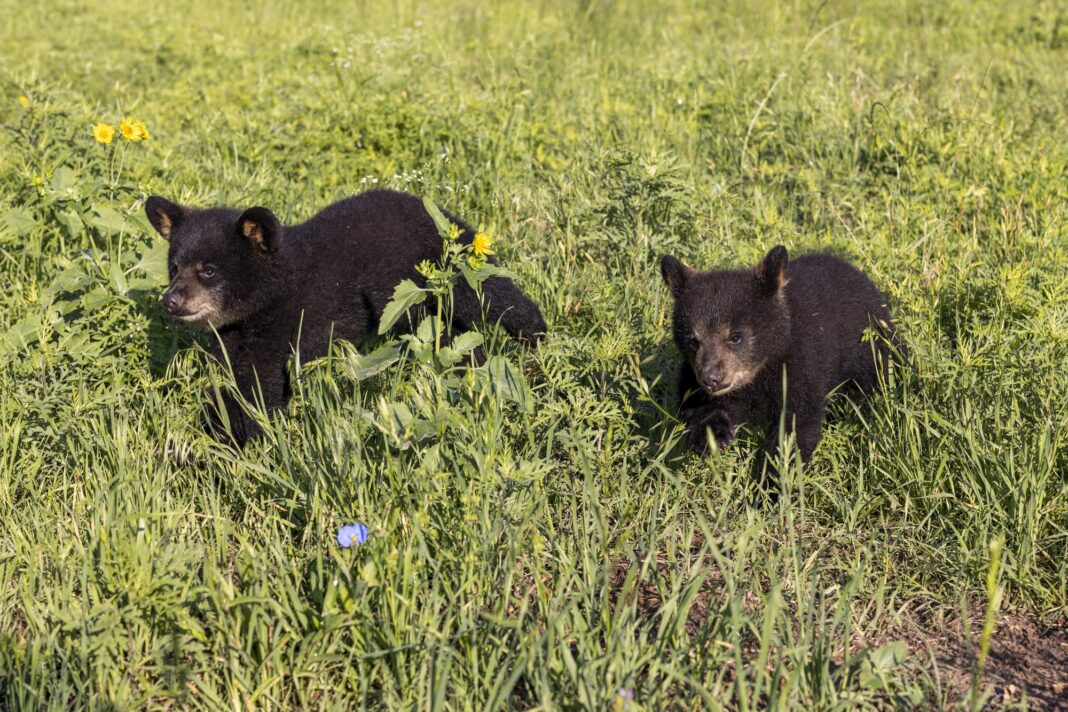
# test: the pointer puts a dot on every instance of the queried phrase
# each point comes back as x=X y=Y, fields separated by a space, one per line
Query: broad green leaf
x=71 y=279
x=21 y=333
x=144 y=284
x=507 y=380
x=448 y=356
x=476 y=277
x=888 y=656
x=73 y=221
x=20 y=221
x=97 y=298
x=363 y=366
x=107 y=219
x=467 y=341
x=441 y=222
x=400 y=414
x=153 y=261
x=428 y=329
x=64 y=177
x=405 y=296
x=117 y=279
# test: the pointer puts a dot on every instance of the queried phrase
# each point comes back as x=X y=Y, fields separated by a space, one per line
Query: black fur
x=259 y=283
x=805 y=318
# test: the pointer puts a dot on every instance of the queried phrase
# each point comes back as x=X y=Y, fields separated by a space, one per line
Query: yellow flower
x=126 y=128
x=38 y=180
x=103 y=133
x=133 y=130
x=482 y=245
x=24 y=101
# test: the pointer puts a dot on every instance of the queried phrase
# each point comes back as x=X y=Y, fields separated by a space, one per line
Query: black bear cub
x=740 y=330
x=264 y=286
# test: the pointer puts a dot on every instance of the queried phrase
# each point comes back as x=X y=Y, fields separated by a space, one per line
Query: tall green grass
x=538 y=535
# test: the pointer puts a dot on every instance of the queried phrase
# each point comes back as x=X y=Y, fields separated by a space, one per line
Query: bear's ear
x=261 y=228
x=771 y=271
x=164 y=215
x=675 y=273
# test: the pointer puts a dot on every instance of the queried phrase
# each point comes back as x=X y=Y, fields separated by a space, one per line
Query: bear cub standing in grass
x=263 y=285
x=738 y=331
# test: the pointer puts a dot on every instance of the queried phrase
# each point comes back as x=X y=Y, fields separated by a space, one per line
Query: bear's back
x=832 y=303
x=828 y=287
x=380 y=227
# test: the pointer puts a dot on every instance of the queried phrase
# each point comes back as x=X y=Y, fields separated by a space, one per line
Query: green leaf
x=73 y=221
x=400 y=414
x=71 y=279
x=20 y=333
x=467 y=341
x=888 y=656
x=476 y=277
x=108 y=219
x=20 y=221
x=64 y=177
x=153 y=261
x=507 y=380
x=448 y=356
x=142 y=284
x=363 y=366
x=117 y=279
x=428 y=329
x=440 y=221
x=97 y=298
x=405 y=296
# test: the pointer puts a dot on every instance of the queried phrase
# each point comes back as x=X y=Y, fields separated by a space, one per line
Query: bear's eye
x=208 y=272
x=692 y=342
x=172 y=269
x=736 y=338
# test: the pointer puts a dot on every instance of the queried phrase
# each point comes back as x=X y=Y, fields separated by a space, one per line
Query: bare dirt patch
x=1027 y=658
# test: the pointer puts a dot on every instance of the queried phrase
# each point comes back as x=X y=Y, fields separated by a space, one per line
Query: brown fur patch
x=165 y=224
x=254 y=232
x=740 y=378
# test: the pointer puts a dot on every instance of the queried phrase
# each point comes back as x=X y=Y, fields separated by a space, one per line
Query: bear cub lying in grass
x=260 y=284
x=739 y=330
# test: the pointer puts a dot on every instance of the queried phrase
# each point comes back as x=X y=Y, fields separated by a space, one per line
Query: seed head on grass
x=352 y=534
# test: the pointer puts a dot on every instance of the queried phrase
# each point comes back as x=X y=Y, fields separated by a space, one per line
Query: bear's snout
x=172 y=302
x=711 y=378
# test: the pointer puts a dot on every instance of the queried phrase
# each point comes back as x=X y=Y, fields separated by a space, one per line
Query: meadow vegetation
x=537 y=535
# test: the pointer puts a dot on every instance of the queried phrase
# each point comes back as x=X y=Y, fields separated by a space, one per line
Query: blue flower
x=623 y=699
x=351 y=534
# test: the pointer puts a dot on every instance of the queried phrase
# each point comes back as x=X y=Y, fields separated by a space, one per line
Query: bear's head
x=730 y=324
x=221 y=261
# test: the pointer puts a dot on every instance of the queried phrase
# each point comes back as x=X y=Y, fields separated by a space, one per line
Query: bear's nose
x=711 y=379
x=172 y=302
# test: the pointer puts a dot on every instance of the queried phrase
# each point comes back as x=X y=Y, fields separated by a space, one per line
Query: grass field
x=538 y=536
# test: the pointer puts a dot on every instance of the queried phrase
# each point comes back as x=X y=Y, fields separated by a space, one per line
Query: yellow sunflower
x=103 y=133
x=128 y=131
x=482 y=245
x=134 y=130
